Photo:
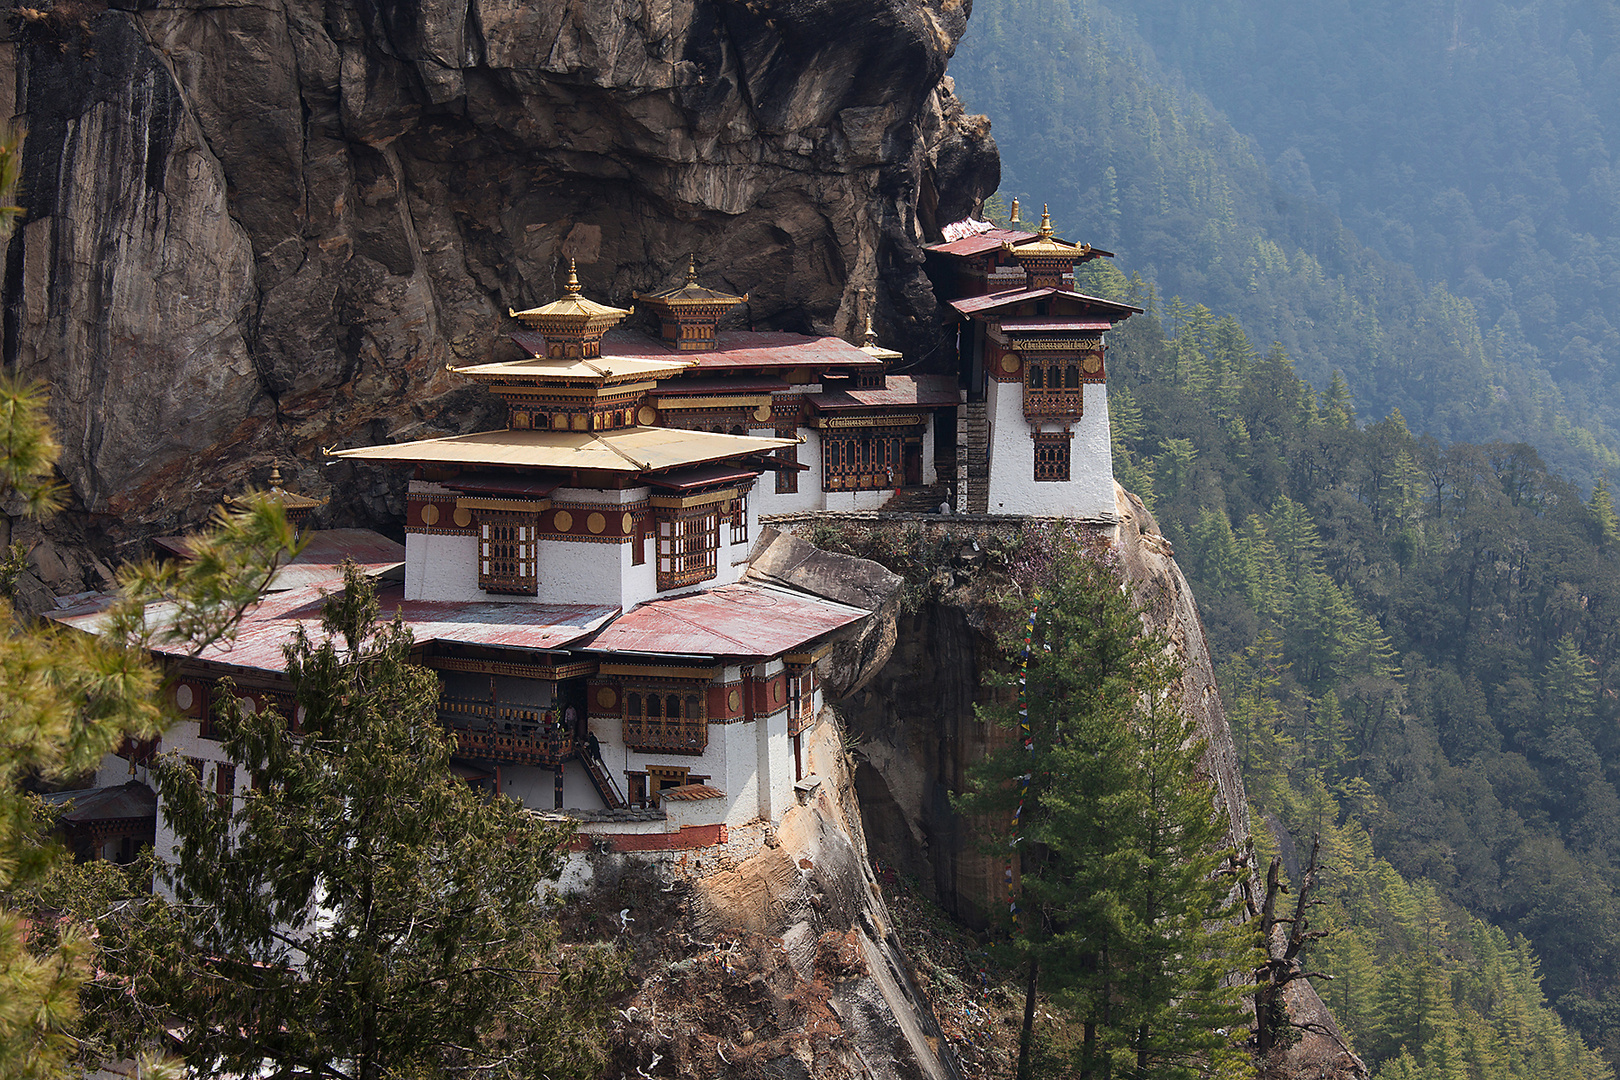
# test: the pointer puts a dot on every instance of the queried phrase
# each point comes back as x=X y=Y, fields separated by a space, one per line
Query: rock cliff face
x=916 y=735
x=260 y=227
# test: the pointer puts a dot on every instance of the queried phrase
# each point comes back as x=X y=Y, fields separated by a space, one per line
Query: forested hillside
x=1409 y=571
x=1473 y=140
x=1418 y=655
x=1133 y=160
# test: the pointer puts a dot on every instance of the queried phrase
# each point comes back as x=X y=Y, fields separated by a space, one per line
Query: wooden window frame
x=861 y=459
x=1054 y=454
x=739 y=519
x=787 y=480
x=224 y=786
x=508 y=552
x=801 y=695
x=1054 y=387
x=648 y=728
x=688 y=546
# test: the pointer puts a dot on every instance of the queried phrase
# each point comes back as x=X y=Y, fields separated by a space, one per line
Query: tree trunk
x=1027 y=1037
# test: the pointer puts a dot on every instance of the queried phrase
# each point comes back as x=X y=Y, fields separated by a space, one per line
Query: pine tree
x=66 y=700
x=361 y=912
x=1602 y=508
x=1121 y=915
x=1569 y=686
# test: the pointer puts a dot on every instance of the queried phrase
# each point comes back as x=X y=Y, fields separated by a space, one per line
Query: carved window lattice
x=1052 y=456
x=668 y=719
x=507 y=550
x=739 y=519
x=1053 y=387
x=860 y=461
x=688 y=546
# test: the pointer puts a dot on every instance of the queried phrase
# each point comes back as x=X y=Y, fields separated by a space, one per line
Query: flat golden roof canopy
x=629 y=450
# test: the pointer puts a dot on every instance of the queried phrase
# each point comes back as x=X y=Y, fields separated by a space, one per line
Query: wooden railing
x=681 y=736
x=501 y=732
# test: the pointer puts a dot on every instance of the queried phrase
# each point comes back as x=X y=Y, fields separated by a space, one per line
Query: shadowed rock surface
x=257 y=229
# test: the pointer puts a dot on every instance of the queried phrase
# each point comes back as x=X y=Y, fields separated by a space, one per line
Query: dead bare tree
x=1283 y=964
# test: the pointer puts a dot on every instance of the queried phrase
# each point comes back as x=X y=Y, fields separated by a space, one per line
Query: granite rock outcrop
x=257 y=228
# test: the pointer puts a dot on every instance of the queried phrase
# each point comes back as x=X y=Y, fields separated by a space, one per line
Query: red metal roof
x=743 y=349
x=980 y=243
x=320 y=562
x=1053 y=325
x=683 y=387
x=972 y=305
x=532 y=342
x=271 y=624
x=701 y=476
x=743 y=620
x=528 y=487
x=901 y=392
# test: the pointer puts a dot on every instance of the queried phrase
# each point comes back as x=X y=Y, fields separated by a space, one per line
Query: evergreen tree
x=66 y=700
x=361 y=912
x=1121 y=914
x=1602 y=507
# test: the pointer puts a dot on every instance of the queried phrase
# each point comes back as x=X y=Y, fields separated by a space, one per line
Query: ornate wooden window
x=224 y=786
x=860 y=460
x=801 y=694
x=787 y=480
x=673 y=719
x=739 y=519
x=507 y=549
x=1052 y=455
x=1053 y=387
x=688 y=545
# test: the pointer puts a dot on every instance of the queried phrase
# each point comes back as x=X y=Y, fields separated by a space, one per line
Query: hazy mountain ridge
x=1132 y=159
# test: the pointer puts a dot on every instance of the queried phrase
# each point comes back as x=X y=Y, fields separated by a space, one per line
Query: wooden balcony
x=671 y=735
x=1066 y=404
x=515 y=734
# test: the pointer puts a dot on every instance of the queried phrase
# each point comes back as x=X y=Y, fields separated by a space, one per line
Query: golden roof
x=1045 y=245
x=870 y=346
x=598 y=370
x=628 y=450
x=571 y=313
x=289 y=500
x=690 y=294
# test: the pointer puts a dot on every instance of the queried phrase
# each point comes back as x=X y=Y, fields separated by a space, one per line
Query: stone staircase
x=919 y=500
x=973 y=458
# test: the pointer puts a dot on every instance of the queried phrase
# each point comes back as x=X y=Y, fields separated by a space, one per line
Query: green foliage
x=1471 y=330
x=1417 y=651
x=1122 y=904
x=361 y=911
x=67 y=699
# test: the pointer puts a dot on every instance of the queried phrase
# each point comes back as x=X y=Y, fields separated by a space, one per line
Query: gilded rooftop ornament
x=572 y=325
x=870 y=346
x=688 y=314
x=297 y=507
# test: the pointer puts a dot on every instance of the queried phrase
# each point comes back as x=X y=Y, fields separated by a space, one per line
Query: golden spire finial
x=691 y=270
x=1046 y=223
x=1013 y=220
x=275 y=476
x=871 y=335
x=572 y=288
